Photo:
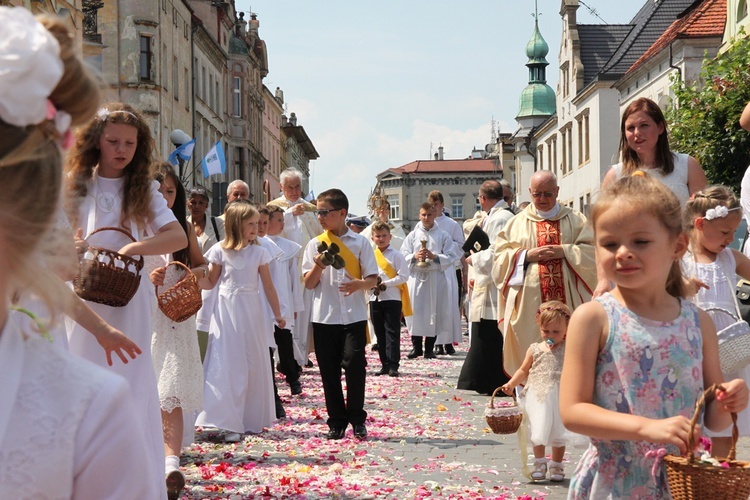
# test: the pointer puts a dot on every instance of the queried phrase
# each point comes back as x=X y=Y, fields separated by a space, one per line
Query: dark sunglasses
x=324 y=213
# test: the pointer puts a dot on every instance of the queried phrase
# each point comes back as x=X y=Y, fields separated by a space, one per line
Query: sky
x=379 y=84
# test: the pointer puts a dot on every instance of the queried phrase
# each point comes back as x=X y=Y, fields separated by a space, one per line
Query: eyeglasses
x=324 y=213
x=546 y=194
x=198 y=191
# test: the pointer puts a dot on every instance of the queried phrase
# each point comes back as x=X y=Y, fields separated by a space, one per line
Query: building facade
x=297 y=149
x=272 y=111
x=407 y=187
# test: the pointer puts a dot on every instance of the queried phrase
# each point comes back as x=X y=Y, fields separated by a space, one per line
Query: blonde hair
x=85 y=155
x=552 y=310
x=711 y=197
x=652 y=198
x=236 y=213
x=31 y=176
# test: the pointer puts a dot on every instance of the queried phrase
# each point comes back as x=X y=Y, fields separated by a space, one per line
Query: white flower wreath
x=719 y=212
x=30 y=67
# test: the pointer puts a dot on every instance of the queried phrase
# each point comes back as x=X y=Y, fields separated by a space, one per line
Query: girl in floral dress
x=541 y=394
x=638 y=357
x=712 y=216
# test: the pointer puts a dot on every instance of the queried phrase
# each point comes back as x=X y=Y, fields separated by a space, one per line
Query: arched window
x=742 y=10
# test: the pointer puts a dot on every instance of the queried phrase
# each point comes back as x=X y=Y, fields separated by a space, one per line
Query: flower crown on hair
x=719 y=212
x=104 y=113
x=560 y=308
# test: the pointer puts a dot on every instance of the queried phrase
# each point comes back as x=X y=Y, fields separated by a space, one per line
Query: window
x=237 y=97
x=569 y=135
x=211 y=91
x=395 y=208
x=540 y=155
x=457 y=206
x=586 y=137
x=563 y=137
x=565 y=77
x=163 y=78
x=553 y=163
x=146 y=56
x=187 y=89
x=204 y=94
x=218 y=97
x=477 y=205
x=742 y=10
x=175 y=79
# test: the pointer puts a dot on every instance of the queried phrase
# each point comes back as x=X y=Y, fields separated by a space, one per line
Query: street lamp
x=178 y=138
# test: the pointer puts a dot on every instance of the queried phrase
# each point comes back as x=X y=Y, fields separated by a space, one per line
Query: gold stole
x=350 y=260
x=550 y=271
x=389 y=271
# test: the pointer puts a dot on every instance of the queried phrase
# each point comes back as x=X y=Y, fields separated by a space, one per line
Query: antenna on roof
x=592 y=11
x=493 y=137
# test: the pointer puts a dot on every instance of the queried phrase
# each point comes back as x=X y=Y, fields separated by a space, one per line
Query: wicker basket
x=734 y=347
x=183 y=299
x=107 y=277
x=503 y=419
x=692 y=480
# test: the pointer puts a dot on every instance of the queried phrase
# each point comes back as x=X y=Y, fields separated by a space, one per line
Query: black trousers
x=288 y=366
x=386 y=320
x=337 y=347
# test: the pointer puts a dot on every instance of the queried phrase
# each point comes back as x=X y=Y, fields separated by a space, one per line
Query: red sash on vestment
x=550 y=271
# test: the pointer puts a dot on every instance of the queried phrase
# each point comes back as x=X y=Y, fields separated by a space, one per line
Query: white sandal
x=540 y=470
x=556 y=472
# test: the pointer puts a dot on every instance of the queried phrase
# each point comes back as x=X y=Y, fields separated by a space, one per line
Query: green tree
x=704 y=117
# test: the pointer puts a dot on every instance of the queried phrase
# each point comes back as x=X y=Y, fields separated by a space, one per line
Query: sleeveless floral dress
x=648 y=368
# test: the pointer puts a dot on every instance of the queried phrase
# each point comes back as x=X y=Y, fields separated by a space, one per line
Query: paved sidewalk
x=426 y=439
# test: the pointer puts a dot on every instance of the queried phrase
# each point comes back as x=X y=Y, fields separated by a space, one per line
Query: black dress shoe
x=430 y=355
x=295 y=387
x=336 y=433
x=449 y=349
x=280 y=411
x=309 y=363
x=439 y=350
x=375 y=347
x=414 y=354
x=393 y=373
x=360 y=431
x=382 y=371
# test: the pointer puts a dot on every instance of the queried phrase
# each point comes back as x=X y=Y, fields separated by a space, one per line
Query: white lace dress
x=68 y=428
x=718 y=302
x=540 y=399
x=175 y=352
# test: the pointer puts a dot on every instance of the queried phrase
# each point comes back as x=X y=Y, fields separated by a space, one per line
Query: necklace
x=104 y=200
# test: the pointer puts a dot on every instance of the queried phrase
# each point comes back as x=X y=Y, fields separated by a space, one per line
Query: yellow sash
x=391 y=273
x=351 y=261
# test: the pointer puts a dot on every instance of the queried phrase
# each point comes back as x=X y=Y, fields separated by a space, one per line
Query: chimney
x=440 y=153
x=254 y=24
x=436 y=156
x=279 y=95
x=284 y=121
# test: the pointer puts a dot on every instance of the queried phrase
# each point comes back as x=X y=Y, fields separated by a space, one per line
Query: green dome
x=237 y=45
x=537 y=49
x=537 y=99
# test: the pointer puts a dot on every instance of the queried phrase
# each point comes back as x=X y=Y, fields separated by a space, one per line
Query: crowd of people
x=625 y=349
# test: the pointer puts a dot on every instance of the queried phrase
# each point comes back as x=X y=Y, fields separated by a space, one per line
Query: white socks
x=172 y=462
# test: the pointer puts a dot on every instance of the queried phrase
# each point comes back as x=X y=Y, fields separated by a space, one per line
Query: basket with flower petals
x=504 y=417
x=691 y=478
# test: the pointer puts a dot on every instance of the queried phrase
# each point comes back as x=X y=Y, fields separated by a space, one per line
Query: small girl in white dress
x=711 y=218
x=238 y=392
x=541 y=369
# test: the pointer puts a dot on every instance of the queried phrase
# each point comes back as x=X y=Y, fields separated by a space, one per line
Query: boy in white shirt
x=284 y=272
x=339 y=313
x=388 y=299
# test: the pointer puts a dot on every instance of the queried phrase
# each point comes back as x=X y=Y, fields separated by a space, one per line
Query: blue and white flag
x=215 y=162
x=183 y=152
